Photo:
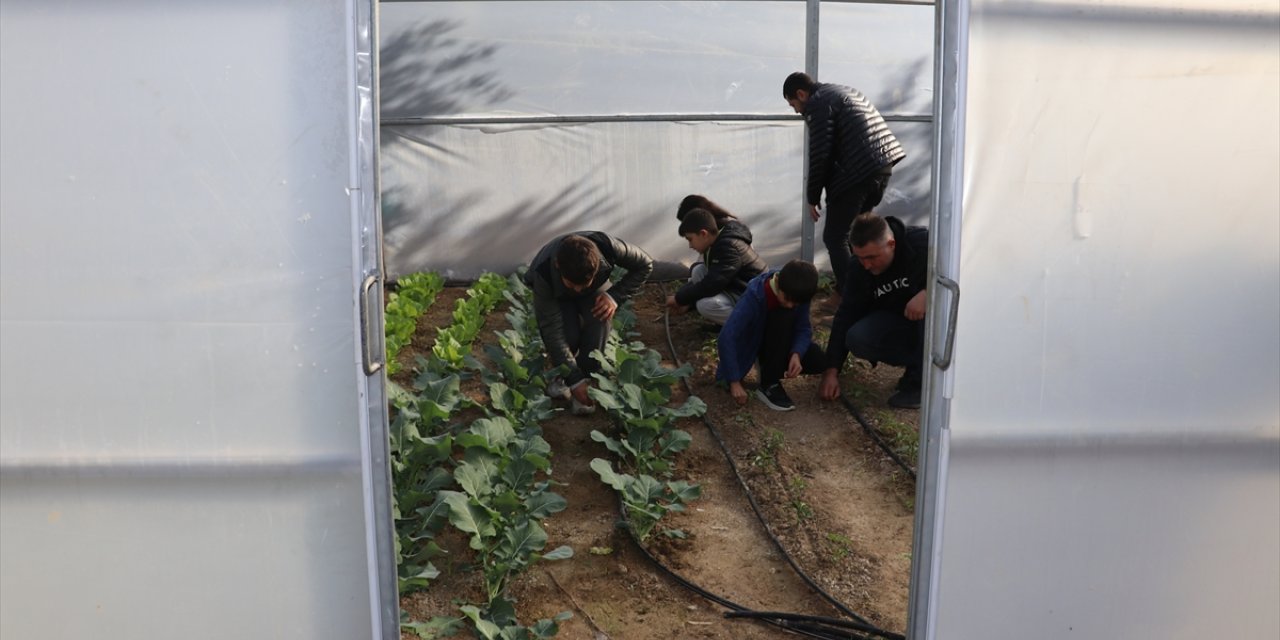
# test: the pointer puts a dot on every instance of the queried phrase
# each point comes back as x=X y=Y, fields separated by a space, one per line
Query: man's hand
x=739 y=394
x=675 y=307
x=579 y=392
x=829 y=389
x=915 y=307
x=813 y=212
x=793 y=366
x=604 y=307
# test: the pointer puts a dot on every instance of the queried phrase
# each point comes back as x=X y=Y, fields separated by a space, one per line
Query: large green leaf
x=521 y=540
x=469 y=518
x=492 y=434
x=618 y=481
x=673 y=442
x=543 y=504
x=684 y=491
x=477 y=481
x=692 y=407
x=519 y=474
x=486 y=629
x=563 y=552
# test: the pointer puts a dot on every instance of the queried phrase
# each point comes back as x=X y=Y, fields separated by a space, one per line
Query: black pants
x=582 y=331
x=775 y=348
x=884 y=336
x=841 y=210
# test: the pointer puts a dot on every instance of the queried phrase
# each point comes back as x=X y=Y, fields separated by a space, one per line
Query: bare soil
x=838 y=505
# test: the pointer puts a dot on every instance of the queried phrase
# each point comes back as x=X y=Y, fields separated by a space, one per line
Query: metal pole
x=811 y=68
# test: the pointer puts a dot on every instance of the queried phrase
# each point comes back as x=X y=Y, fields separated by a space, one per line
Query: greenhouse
x=274 y=355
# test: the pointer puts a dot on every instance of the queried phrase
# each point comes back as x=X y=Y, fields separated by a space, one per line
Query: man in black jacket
x=851 y=156
x=881 y=317
x=574 y=302
x=728 y=264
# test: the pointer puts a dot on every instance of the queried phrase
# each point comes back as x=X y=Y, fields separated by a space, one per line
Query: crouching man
x=881 y=315
x=574 y=302
x=770 y=325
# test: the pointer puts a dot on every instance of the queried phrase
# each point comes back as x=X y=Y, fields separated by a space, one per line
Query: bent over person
x=881 y=317
x=574 y=302
x=851 y=156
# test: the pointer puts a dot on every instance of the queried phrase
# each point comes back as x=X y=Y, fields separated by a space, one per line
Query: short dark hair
x=697 y=220
x=795 y=82
x=867 y=228
x=799 y=281
x=578 y=259
x=695 y=201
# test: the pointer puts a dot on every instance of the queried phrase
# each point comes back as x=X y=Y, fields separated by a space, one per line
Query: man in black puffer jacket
x=728 y=264
x=851 y=156
x=881 y=317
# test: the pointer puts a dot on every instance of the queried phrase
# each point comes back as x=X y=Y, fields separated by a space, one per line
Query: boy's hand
x=674 y=306
x=830 y=387
x=739 y=394
x=604 y=308
x=813 y=212
x=579 y=392
x=793 y=366
x=915 y=307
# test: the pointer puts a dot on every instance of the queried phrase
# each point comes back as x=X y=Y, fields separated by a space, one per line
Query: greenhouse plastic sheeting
x=465 y=197
x=182 y=406
x=461 y=199
x=1114 y=429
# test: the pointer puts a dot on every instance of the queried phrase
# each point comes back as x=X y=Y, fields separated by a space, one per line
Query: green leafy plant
x=415 y=293
x=646 y=499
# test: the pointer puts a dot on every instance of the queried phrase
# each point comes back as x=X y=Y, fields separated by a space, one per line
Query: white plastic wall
x=463 y=197
x=181 y=397
x=1113 y=468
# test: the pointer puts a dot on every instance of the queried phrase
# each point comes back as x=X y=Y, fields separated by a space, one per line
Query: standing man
x=881 y=317
x=851 y=156
x=574 y=302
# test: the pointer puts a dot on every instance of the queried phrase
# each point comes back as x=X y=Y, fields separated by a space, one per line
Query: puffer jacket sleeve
x=724 y=260
x=635 y=261
x=819 y=113
x=551 y=325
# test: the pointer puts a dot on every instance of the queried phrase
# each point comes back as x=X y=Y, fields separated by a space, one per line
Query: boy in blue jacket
x=770 y=326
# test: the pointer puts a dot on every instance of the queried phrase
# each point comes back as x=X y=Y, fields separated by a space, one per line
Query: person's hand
x=739 y=394
x=604 y=307
x=813 y=212
x=915 y=307
x=579 y=392
x=675 y=307
x=829 y=389
x=793 y=366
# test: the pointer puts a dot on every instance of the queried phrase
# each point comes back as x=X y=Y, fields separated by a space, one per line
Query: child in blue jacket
x=769 y=326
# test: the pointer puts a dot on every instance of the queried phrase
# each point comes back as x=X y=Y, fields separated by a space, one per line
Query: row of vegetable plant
x=414 y=294
x=490 y=479
x=635 y=389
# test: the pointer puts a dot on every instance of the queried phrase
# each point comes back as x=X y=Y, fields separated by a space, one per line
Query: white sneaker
x=557 y=389
x=579 y=409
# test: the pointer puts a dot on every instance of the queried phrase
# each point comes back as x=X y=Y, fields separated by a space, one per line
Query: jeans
x=888 y=337
x=841 y=210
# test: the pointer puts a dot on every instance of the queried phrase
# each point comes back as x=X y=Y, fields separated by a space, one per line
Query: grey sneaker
x=557 y=389
x=579 y=409
x=775 y=397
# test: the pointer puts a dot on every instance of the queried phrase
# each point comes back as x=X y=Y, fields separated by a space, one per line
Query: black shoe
x=910 y=381
x=775 y=397
x=905 y=399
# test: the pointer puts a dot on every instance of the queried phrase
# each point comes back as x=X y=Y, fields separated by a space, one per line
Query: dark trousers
x=841 y=210
x=582 y=331
x=775 y=348
x=884 y=336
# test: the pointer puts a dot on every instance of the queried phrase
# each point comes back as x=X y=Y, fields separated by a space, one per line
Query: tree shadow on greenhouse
x=425 y=71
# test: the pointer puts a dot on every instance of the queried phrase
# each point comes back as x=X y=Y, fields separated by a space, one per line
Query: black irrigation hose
x=755 y=507
x=798 y=627
x=875 y=436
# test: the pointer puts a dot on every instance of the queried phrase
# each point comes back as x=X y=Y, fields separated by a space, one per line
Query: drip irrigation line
x=875 y=435
x=755 y=507
x=808 y=628
x=798 y=617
